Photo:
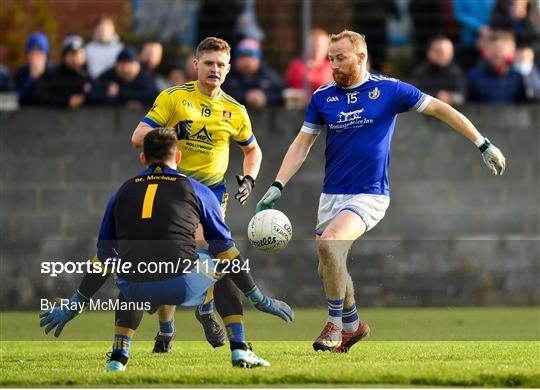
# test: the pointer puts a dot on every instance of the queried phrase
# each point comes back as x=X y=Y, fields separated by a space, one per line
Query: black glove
x=245 y=185
x=183 y=129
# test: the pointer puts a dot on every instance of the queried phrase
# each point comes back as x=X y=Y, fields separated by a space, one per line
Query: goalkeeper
x=171 y=207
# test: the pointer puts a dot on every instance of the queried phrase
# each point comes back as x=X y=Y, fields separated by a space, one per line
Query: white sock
x=350 y=319
x=336 y=321
x=335 y=312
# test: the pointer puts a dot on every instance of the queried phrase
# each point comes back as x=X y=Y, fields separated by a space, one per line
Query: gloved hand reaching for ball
x=270 y=198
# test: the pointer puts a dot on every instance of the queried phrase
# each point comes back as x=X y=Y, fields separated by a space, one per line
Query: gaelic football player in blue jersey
x=359 y=112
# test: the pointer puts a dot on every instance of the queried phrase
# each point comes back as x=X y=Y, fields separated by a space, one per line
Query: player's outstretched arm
x=293 y=160
x=62 y=313
x=244 y=281
x=67 y=309
x=222 y=247
x=492 y=156
x=270 y=305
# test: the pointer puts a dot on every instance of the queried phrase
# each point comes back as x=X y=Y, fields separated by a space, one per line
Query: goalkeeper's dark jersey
x=152 y=219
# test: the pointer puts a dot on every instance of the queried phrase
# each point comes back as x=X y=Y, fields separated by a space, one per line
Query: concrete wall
x=453 y=234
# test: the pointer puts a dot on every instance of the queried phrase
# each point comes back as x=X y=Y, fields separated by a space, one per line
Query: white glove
x=493 y=157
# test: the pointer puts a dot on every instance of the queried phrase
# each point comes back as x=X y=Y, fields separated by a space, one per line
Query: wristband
x=78 y=298
x=251 y=180
x=486 y=144
x=278 y=185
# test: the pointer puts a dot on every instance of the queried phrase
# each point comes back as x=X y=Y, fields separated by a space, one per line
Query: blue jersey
x=359 y=123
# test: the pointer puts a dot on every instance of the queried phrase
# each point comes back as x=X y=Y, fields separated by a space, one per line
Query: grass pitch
x=430 y=347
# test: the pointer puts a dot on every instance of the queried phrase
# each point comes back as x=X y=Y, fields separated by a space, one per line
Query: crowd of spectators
x=492 y=61
x=67 y=84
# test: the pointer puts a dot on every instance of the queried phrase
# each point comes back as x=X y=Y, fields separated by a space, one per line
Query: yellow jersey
x=216 y=120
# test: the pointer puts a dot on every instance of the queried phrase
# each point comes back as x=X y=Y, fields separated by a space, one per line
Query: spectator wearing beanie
x=66 y=84
x=251 y=81
x=37 y=51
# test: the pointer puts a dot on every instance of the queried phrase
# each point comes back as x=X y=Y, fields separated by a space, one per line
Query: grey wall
x=454 y=234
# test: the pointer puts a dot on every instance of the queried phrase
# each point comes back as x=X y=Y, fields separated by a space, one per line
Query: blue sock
x=350 y=319
x=206 y=308
x=335 y=311
x=235 y=330
x=166 y=327
x=121 y=345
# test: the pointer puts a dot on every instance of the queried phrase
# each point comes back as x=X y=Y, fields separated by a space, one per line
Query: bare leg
x=349 y=292
x=166 y=313
x=332 y=249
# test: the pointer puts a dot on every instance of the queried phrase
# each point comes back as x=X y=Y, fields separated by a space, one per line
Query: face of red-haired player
x=212 y=68
x=346 y=64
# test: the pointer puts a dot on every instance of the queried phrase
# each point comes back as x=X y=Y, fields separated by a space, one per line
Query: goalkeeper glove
x=493 y=157
x=271 y=197
x=183 y=129
x=245 y=186
x=60 y=316
x=271 y=305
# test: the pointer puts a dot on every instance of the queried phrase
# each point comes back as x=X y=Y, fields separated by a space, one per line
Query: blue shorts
x=186 y=290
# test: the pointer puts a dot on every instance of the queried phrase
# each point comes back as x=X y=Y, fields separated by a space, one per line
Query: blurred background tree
x=18 y=20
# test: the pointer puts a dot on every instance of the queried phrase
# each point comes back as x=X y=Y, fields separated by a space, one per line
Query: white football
x=269 y=231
